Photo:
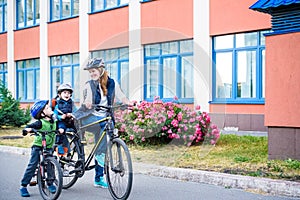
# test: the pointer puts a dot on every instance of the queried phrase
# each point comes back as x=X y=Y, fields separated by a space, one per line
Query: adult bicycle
x=48 y=170
x=117 y=166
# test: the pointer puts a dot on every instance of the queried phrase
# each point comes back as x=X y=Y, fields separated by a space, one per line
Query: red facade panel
x=63 y=37
x=109 y=29
x=3 y=47
x=230 y=16
x=282 y=80
x=27 y=43
x=166 y=20
x=240 y=108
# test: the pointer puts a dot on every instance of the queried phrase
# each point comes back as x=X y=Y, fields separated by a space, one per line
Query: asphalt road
x=145 y=187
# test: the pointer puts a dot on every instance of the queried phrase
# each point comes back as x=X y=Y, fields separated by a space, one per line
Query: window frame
x=35 y=23
x=61 y=17
x=258 y=48
x=3 y=73
x=24 y=70
x=71 y=65
x=3 y=5
x=160 y=57
x=119 y=5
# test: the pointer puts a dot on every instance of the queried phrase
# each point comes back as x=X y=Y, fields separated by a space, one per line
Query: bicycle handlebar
x=35 y=132
x=108 y=108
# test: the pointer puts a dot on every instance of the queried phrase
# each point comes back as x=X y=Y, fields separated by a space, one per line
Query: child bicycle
x=48 y=171
x=117 y=166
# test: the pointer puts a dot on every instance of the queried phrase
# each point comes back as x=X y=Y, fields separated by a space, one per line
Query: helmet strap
x=102 y=72
x=43 y=115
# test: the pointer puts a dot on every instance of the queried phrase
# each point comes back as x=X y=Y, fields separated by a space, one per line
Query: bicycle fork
x=115 y=163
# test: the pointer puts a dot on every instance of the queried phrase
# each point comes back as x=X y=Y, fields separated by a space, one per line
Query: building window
x=63 y=9
x=100 y=5
x=65 y=69
x=117 y=64
x=169 y=71
x=3 y=15
x=239 y=68
x=28 y=13
x=28 y=79
x=3 y=74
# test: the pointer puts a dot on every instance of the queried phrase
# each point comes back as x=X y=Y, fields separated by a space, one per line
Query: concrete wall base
x=284 y=143
x=244 y=122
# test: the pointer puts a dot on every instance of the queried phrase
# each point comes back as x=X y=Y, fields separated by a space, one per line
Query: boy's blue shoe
x=24 y=192
x=52 y=188
x=60 y=149
x=102 y=183
x=100 y=159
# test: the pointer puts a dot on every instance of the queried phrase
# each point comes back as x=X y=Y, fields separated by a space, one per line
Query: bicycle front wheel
x=50 y=179
x=118 y=169
x=73 y=167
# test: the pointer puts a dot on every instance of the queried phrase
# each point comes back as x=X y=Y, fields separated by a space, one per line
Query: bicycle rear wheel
x=118 y=169
x=73 y=167
x=50 y=174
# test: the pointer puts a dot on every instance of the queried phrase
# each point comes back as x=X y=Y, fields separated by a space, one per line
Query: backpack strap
x=53 y=102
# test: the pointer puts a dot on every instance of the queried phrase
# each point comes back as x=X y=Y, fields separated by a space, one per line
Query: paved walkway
x=262 y=185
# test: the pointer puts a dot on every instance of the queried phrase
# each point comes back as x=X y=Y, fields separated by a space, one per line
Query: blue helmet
x=37 y=108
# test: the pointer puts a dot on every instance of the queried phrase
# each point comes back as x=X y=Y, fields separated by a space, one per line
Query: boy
x=63 y=110
x=42 y=112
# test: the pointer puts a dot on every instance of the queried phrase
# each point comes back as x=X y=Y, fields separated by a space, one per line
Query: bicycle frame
x=118 y=164
x=95 y=147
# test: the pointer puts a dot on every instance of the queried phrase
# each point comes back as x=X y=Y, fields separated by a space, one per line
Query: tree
x=10 y=112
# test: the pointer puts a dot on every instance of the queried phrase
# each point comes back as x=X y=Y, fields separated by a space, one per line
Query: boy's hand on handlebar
x=26 y=130
x=63 y=116
x=60 y=131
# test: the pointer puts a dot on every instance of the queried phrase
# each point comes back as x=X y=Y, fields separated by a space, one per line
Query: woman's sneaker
x=102 y=183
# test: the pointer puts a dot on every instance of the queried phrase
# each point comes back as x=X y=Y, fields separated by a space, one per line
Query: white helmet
x=65 y=86
x=94 y=63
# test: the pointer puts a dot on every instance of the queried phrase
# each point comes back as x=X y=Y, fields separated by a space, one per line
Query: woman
x=99 y=90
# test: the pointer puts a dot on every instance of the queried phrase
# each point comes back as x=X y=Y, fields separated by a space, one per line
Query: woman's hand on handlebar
x=88 y=105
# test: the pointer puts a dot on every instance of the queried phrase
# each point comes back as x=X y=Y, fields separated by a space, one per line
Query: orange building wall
x=3 y=47
x=63 y=37
x=166 y=20
x=109 y=29
x=282 y=80
x=27 y=43
x=237 y=109
x=228 y=16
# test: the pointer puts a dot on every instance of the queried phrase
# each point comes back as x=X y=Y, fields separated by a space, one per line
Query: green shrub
x=10 y=112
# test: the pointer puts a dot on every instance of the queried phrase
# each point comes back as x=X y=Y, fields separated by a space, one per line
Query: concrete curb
x=265 y=185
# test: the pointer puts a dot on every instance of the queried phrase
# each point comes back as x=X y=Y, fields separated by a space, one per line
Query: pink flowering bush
x=159 y=122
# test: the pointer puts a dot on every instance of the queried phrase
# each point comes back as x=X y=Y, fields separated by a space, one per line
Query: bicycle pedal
x=32 y=183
